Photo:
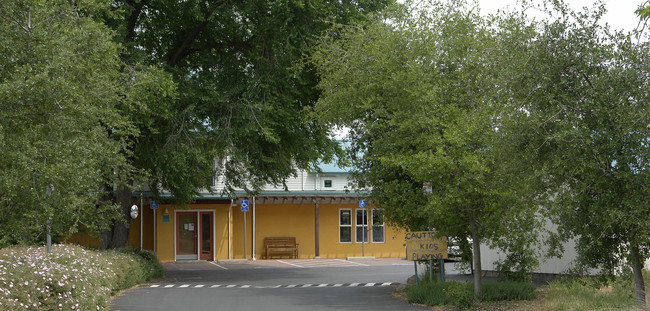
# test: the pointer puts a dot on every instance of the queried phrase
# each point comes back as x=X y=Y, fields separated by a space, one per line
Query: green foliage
x=518 y=263
x=460 y=294
x=70 y=277
x=508 y=290
x=583 y=126
x=416 y=88
x=149 y=264
x=243 y=93
x=588 y=294
x=59 y=86
x=437 y=294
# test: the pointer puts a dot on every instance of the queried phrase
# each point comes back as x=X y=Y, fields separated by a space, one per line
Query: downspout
x=253 y=237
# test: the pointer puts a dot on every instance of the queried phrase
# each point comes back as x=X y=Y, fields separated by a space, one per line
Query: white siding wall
x=304 y=181
x=548 y=265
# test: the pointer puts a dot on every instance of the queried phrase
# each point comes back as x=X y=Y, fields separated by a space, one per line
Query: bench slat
x=280 y=245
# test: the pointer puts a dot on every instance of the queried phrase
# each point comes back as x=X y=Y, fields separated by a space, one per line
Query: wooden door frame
x=197 y=213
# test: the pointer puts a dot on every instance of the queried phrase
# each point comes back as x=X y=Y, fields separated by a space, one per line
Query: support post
x=316 y=233
x=415 y=264
x=230 y=229
x=141 y=216
x=254 y=233
x=155 y=249
x=49 y=236
x=48 y=225
x=363 y=231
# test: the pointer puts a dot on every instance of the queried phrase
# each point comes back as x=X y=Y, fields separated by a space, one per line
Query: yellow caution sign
x=423 y=245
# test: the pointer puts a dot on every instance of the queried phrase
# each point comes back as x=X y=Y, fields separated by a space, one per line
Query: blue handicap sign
x=244 y=205
x=154 y=205
x=362 y=203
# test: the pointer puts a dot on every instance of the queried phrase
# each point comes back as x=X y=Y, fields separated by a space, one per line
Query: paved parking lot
x=274 y=285
x=283 y=263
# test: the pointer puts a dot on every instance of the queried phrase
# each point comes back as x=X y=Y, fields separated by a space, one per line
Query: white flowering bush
x=69 y=278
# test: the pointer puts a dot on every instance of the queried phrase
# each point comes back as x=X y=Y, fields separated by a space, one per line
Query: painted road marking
x=370 y=284
x=288 y=263
x=319 y=263
x=218 y=265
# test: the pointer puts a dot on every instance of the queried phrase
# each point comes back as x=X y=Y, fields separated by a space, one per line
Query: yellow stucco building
x=324 y=224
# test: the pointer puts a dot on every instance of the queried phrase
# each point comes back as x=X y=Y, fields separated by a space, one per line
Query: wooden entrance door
x=186 y=236
x=206 y=235
x=194 y=236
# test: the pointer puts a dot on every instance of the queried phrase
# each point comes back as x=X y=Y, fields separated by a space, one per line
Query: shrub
x=435 y=294
x=508 y=290
x=462 y=294
x=69 y=278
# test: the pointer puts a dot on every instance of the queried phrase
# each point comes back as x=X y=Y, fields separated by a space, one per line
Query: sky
x=620 y=13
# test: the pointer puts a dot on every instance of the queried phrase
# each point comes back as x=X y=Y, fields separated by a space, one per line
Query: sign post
x=424 y=246
x=154 y=207
x=244 y=209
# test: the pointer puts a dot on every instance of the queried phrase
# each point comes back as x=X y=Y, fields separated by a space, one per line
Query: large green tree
x=60 y=78
x=244 y=90
x=582 y=122
x=418 y=90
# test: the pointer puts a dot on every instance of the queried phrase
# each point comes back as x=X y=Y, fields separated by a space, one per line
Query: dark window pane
x=346 y=217
x=328 y=183
x=346 y=234
x=362 y=218
x=206 y=234
x=377 y=217
x=360 y=231
x=378 y=234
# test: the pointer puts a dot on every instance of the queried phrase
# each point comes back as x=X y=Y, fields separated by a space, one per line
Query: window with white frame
x=362 y=226
x=345 y=226
x=378 y=232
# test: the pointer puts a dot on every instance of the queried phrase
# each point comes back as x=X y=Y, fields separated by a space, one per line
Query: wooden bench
x=281 y=246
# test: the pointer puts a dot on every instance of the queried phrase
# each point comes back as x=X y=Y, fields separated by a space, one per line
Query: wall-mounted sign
x=422 y=245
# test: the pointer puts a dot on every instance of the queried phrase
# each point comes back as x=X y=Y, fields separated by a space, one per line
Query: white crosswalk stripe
x=244 y=286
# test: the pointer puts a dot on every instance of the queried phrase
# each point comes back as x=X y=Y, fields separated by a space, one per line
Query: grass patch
x=70 y=277
x=462 y=294
x=587 y=294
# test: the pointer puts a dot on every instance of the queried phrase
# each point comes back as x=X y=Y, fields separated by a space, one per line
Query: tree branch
x=182 y=51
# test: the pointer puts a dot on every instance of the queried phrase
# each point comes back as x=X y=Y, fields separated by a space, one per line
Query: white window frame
x=364 y=229
x=383 y=226
x=345 y=226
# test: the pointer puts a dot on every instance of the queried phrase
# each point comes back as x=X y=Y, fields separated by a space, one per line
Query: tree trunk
x=118 y=235
x=476 y=258
x=637 y=268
